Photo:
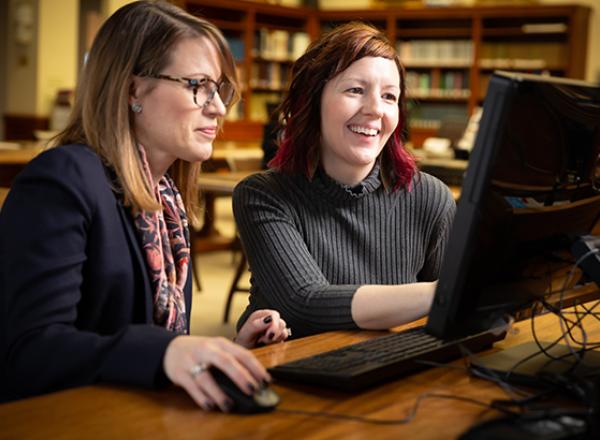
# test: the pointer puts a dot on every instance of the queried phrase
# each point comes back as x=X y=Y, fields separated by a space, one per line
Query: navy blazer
x=75 y=297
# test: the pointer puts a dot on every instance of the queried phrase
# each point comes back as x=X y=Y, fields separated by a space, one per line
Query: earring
x=136 y=107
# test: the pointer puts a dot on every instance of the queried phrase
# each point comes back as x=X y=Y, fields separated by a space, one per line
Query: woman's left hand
x=263 y=326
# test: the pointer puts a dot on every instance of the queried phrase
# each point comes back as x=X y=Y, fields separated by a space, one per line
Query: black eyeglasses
x=203 y=89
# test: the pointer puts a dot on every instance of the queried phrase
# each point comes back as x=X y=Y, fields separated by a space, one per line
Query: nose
x=215 y=107
x=373 y=105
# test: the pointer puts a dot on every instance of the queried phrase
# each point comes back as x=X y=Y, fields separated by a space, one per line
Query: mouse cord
x=409 y=418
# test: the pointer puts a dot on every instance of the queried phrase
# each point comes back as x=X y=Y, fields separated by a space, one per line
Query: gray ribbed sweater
x=312 y=244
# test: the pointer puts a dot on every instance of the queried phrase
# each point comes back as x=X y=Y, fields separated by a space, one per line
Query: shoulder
x=66 y=162
x=74 y=171
x=269 y=191
x=432 y=194
x=269 y=182
x=430 y=186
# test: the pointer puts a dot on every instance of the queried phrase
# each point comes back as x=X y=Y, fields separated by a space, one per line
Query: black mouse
x=263 y=399
x=528 y=428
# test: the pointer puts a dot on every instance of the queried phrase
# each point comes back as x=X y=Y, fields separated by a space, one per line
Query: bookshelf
x=265 y=40
x=449 y=53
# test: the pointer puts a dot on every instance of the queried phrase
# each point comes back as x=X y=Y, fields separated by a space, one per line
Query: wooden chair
x=235 y=284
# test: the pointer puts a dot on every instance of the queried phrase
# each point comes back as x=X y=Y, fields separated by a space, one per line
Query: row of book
x=436 y=52
x=279 y=45
x=531 y=55
x=275 y=45
x=283 y=46
x=450 y=84
x=431 y=116
x=270 y=75
x=258 y=107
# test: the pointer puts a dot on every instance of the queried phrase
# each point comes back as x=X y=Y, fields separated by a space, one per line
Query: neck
x=350 y=176
x=158 y=164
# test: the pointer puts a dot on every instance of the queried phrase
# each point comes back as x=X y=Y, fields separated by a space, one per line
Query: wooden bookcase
x=265 y=40
x=449 y=53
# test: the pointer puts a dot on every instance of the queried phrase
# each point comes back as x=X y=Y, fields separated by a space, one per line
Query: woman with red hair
x=344 y=232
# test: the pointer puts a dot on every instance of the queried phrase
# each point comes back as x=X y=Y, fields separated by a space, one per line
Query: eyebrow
x=362 y=81
x=197 y=74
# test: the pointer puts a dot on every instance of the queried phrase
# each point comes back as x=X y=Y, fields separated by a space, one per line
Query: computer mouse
x=529 y=427
x=263 y=400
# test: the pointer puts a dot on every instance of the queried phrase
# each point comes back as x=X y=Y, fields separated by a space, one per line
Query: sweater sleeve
x=285 y=275
x=43 y=247
x=437 y=199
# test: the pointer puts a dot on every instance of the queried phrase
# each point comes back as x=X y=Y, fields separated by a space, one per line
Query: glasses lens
x=226 y=92
x=205 y=91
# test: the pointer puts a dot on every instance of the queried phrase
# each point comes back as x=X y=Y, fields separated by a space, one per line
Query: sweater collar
x=339 y=191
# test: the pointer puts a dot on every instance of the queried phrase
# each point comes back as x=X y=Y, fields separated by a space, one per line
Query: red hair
x=325 y=58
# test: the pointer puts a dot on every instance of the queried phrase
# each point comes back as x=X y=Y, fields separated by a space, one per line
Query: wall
x=37 y=67
x=58 y=30
x=110 y=6
x=21 y=62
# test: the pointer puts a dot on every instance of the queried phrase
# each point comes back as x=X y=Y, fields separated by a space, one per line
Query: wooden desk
x=213 y=185
x=13 y=161
x=118 y=412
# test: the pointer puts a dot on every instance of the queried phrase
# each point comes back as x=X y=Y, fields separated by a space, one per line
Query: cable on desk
x=585 y=391
x=409 y=418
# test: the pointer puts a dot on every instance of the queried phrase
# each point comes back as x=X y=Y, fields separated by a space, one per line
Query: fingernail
x=271 y=335
x=265 y=383
x=251 y=388
x=268 y=319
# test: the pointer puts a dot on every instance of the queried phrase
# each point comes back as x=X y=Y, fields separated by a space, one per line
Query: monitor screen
x=531 y=187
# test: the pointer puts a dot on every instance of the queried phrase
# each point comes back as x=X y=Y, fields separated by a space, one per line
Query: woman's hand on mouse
x=188 y=358
x=262 y=327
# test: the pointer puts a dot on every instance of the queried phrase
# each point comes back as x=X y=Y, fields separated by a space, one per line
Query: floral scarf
x=166 y=243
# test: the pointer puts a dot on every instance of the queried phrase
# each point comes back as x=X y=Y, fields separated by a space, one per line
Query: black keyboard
x=378 y=360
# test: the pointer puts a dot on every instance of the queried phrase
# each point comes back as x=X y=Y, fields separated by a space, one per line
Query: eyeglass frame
x=195 y=84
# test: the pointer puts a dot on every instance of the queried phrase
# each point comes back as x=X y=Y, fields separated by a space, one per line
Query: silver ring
x=198 y=369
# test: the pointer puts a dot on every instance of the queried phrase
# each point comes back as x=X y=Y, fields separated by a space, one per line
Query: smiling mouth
x=365 y=131
x=208 y=130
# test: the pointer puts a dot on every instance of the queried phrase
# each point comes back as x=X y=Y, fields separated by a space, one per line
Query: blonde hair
x=136 y=40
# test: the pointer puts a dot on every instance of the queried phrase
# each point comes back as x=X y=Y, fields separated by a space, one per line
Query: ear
x=134 y=89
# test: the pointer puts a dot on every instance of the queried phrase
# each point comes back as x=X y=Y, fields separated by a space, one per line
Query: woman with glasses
x=95 y=259
x=344 y=232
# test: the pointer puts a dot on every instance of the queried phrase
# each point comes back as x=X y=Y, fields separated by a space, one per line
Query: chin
x=202 y=152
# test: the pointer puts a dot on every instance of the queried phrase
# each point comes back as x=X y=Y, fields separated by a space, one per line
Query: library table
x=105 y=411
x=12 y=161
x=14 y=156
x=213 y=185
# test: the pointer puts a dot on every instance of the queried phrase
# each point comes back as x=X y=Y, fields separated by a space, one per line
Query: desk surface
x=222 y=150
x=118 y=412
x=221 y=183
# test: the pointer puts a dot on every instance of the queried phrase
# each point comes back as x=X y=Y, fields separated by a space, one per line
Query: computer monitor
x=531 y=187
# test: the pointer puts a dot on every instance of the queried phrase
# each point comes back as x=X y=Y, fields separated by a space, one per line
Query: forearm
x=376 y=307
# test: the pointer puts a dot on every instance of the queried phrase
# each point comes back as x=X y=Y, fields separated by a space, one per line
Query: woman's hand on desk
x=262 y=327
x=188 y=358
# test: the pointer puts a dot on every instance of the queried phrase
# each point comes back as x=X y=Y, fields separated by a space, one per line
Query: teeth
x=364 y=130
